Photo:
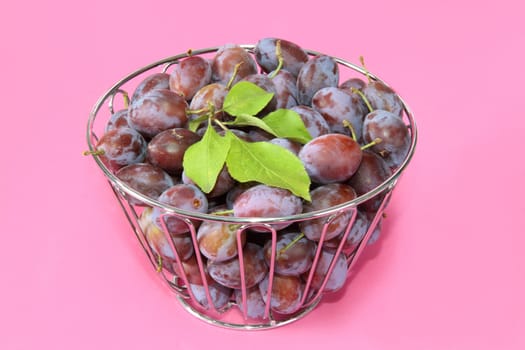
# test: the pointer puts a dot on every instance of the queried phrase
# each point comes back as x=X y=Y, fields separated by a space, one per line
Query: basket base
x=233 y=319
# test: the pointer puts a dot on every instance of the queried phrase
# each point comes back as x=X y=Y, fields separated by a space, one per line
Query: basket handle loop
x=125 y=98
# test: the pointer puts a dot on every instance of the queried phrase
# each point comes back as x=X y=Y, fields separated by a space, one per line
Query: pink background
x=449 y=272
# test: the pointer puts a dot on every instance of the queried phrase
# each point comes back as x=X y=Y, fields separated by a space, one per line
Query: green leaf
x=267 y=163
x=287 y=124
x=203 y=161
x=246 y=98
x=248 y=120
x=193 y=125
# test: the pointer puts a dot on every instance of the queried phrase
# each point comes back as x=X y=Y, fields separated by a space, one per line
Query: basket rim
x=385 y=186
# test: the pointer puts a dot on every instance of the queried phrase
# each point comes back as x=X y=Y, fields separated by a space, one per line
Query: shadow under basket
x=245 y=305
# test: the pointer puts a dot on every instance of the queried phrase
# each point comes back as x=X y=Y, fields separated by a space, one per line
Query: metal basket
x=233 y=314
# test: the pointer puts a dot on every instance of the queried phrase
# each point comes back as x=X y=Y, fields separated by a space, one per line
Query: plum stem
x=197 y=111
x=97 y=152
x=221 y=125
x=289 y=245
x=367 y=74
x=211 y=109
x=371 y=144
x=384 y=153
x=159 y=264
x=223 y=212
x=235 y=72
x=349 y=125
x=126 y=99
x=280 y=59
x=365 y=100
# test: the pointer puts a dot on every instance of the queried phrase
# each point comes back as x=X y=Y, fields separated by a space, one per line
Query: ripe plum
x=145 y=178
x=225 y=61
x=267 y=201
x=286 y=293
x=331 y=158
x=319 y=72
x=288 y=144
x=324 y=197
x=285 y=89
x=292 y=256
x=337 y=105
x=352 y=83
x=212 y=94
x=192 y=272
x=117 y=120
x=218 y=240
x=255 y=305
x=228 y=272
x=294 y=57
x=336 y=279
x=219 y=294
x=383 y=97
x=357 y=232
x=158 y=242
x=313 y=120
x=183 y=196
x=166 y=149
x=190 y=75
x=394 y=135
x=372 y=172
x=120 y=147
x=156 y=111
x=154 y=81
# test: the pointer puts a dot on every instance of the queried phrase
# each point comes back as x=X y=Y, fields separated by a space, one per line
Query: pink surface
x=449 y=271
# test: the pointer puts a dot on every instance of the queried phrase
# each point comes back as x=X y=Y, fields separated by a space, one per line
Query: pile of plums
x=358 y=138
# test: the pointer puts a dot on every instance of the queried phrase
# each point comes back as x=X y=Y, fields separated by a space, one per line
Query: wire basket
x=179 y=275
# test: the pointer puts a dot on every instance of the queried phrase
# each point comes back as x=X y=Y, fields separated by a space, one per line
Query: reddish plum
x=255 y=305
x=267 y=201
x=331 y=158
x=324 y=197
x=285 y=89
x=286 y=293
x=145 y=178
x=383 y=97
x=227 y=58
x=183 y=196
x=117 y=120
x=313 y=120
x=218 y=240
x=220 y=295
x=336 y=279
x=166 y=150
x=336 y=106
x=319 y=72
x=211 y=94
x=158 y=242
x=393 y=133
x=190 y=75
x=120 y=147
x=228 y=273
x=293 y=253
x=153 y=81
x=158 y=110
x=372 y=172
x=288 y=144
x=294 y=57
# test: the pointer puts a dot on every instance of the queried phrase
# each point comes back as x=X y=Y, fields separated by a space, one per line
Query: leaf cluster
x=261 y=162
